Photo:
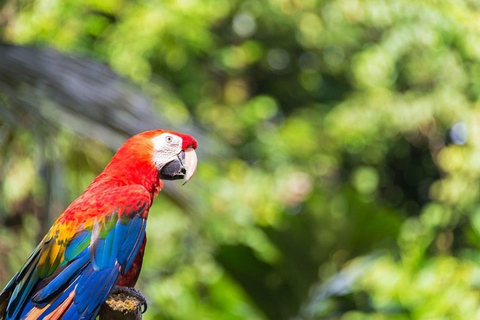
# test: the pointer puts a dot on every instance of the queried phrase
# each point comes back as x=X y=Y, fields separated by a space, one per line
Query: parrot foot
x=130 y=291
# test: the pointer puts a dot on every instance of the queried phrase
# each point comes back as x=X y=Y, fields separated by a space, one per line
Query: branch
x=42 y=85
x=82 y=95
x=121 y=306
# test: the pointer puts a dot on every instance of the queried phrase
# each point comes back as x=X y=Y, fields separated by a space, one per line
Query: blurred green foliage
x=351 y=182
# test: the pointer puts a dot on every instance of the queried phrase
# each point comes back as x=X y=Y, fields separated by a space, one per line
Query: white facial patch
x=166 y=148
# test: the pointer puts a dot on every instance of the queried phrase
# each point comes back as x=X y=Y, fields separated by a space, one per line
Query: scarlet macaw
x=99 y=240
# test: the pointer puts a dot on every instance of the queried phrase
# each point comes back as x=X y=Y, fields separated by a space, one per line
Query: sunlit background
x=339 y=146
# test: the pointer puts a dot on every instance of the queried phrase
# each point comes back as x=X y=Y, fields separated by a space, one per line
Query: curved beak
x=181 y=168
x=190 y=164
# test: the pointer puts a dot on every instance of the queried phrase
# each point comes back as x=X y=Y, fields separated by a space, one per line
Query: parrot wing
x=76 y=266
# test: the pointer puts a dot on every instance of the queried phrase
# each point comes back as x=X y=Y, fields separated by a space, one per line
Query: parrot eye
x=169 y=139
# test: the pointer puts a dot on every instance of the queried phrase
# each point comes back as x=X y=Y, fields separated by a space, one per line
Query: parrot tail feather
x=56 y=313
x=15 y=293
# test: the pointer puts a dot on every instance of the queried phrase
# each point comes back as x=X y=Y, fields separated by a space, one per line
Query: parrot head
x=174 y=155
x=152 y=156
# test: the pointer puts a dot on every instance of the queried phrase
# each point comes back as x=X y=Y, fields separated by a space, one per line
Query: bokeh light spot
x=244 y=25
x=278 y=59
x=459 y=133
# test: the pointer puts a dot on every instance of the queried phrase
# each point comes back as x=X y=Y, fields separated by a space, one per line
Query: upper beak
x=190 y=164
x=182 y=167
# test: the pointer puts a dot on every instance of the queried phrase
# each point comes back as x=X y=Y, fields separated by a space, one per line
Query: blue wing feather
x=88 y=291
x=80 y=241
x=62 y=279
x=126 y=256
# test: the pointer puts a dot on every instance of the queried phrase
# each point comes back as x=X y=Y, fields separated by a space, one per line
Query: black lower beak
x=175 y=169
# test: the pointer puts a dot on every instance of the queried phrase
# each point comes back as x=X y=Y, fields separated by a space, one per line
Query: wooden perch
x=121 y=306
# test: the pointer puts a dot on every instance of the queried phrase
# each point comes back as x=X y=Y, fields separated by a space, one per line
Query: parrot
x=97 y=243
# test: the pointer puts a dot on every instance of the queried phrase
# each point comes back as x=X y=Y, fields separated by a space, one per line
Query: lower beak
x=181 y=168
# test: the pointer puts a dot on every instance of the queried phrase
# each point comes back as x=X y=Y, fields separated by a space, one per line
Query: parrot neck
x=122 y=173
x=131 y=165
